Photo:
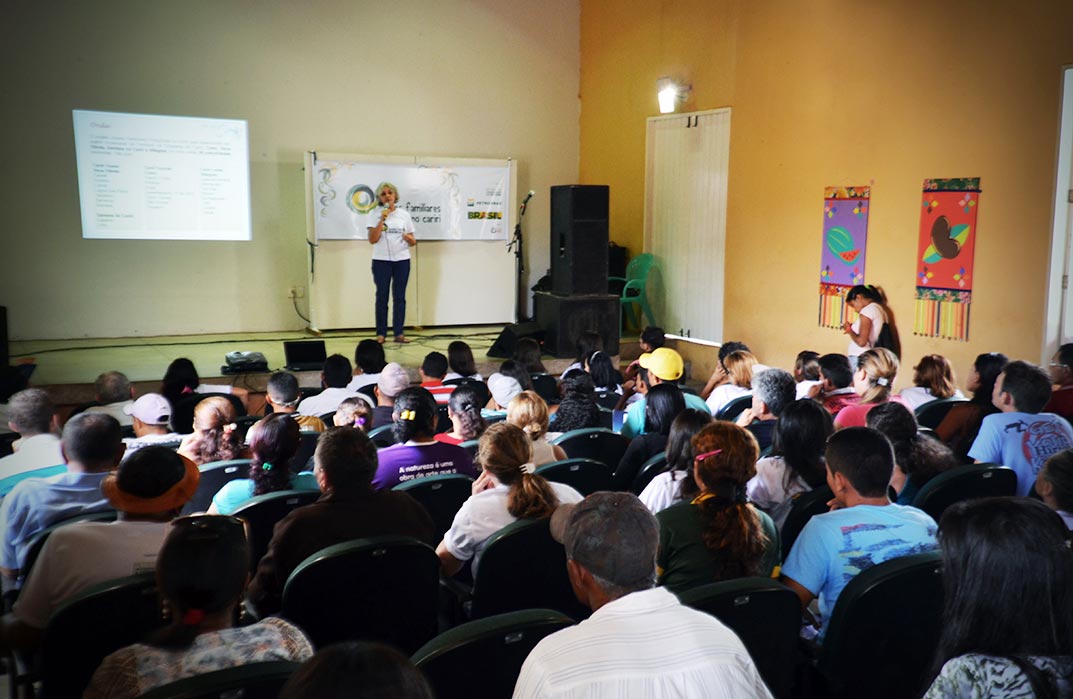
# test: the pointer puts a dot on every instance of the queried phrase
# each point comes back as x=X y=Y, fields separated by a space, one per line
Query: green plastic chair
x=634 y=290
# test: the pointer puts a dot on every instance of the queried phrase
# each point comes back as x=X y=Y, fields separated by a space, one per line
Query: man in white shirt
x=150 y=416
x=334 y=378
x=640 y=641
x=114 y=393
x=31 y=413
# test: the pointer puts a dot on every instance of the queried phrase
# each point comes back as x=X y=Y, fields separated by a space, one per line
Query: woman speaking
x=392 y=236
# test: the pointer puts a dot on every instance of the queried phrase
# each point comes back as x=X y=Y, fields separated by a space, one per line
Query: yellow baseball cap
x=664 y=363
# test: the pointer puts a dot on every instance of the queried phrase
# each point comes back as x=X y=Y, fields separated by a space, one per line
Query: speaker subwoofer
x=564 y=318
x=504 y=345
x=579 y=239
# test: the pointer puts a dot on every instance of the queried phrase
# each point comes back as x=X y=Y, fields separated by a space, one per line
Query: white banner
x=454 y=202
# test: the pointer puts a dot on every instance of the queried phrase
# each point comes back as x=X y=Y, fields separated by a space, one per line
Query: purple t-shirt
x=404 y=462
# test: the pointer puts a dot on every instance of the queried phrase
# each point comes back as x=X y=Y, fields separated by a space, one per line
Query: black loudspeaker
x=579 y=239
x=504 y=345
x=564 y=318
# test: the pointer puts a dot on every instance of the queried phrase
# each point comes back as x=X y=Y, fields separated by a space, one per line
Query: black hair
x=347 y=457
x=578 y=409
x=680 y=449
x=434 y=365
x=150 y=472
x=864 y=456
x=577 y=382
x=1065 y=355
x=180 y=379
x=872 y=293
x=202 y=568
x=800 y=438
x=916 y=455
x=663 y=403
x=460 y=359
x=836 y=369
x=94 y=440
x=337 y=371
x=518 y=372
x=988 y=366
x=602 y=370
x=807 y=365
x=465 y=402
x=1058 y=471
x=415 y=415
x=587 y=343
x=1028 y=385
x=369 y=355
x=273 y=446
x=283 y=388
x=1007 y=581
x=653 y=336
x=732 y=346
x=357 y=670
x=527 y=353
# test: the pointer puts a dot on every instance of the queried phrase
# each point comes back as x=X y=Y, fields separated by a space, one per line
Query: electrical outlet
x=297 y=292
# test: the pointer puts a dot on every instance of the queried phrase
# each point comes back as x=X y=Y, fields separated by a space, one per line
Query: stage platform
x=68 y=368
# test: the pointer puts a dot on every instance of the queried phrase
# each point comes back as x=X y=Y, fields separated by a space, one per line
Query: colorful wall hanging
x=845 y=237
x=944 y=273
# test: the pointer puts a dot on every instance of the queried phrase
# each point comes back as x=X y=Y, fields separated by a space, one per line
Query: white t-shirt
x=136 y=443
x=115 y=410
x=328 y=400
x=916 y=396
x=484 y=514
x=803 y=387
x=213 y=388
x=39 y=451
x=451 y=376
x=361 y=381
x=873 y=312
x=722 y=395
x=662 y=491
x=391 y=246
x=768 y=490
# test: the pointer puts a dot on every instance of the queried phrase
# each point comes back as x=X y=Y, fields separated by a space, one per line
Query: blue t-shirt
x=1021 y=441
x=235 y=493
x=405 y=462
x=834 y=547
x=634 y=422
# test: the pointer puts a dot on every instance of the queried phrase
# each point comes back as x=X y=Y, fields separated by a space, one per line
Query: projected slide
x=162 y=177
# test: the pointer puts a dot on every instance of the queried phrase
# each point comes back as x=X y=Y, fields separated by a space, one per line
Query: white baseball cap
x=152 y=409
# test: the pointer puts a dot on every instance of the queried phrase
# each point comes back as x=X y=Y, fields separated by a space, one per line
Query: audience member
x=1061 y=402
x=676 y=482
x=393 y=381
x=872 y=381
x=1007 y=627
x=517 y=371
x=773 y=390
x=604 y=377
x=416 y=452
x=962 y=423
x=150 y=415
x=93 y=446
x=577 y=409
x=721 y=376
x=335 y=377
x=181 y=379
x=527 y=354
x=917 y=458
x=652 y=338
x=1054 y=485
x=503 y=388
x=507 y=490
x=1019 y=436
x=740 y=368
x=283 y=395
x=663 y=403
x=32 y=415
x=114 y=394
x=344 y=465
x=640 y=640
x=528 y=412
x=718 y=535
x=806 y=372
x=863 y=527
x=464 y=411
x=275 y=441
x=933 y=379
x=835 y=390
x=460 y=361
x=588 y=342
x=148 y=490
x=354 y=412
x=432 y=372
x=202 y=572
x=796 y=463
x=357 y=670
x=874 y=316
x=662 y=365
x=369 y=361
x=214 y=437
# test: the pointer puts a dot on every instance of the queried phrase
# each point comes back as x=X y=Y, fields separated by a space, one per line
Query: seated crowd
x=715 y=476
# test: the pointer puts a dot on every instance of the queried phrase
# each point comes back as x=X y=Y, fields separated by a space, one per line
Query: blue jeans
x=385 y=275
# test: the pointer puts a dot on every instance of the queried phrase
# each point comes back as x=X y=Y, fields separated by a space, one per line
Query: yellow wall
x=460 y=78
x=823 y=93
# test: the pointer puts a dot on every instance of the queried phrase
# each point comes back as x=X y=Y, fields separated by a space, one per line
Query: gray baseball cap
x=612 y=535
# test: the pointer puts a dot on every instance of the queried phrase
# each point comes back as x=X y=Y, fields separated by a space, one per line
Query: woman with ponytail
x=529 y=412
x=201 y=574
x=873 y=381
x=464 y=410
x=416 y=453
x=874 y=317
x=215 y=437
x=506 y=491
x=718 y=535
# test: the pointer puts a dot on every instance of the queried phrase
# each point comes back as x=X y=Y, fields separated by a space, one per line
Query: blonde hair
x=528 y=411
x=503 y=451
x=739 y=366
x=880 y=366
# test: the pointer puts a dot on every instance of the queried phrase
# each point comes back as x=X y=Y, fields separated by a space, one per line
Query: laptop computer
x=304 y=355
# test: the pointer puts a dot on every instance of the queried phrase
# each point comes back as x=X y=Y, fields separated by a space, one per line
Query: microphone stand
x=516 y=244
